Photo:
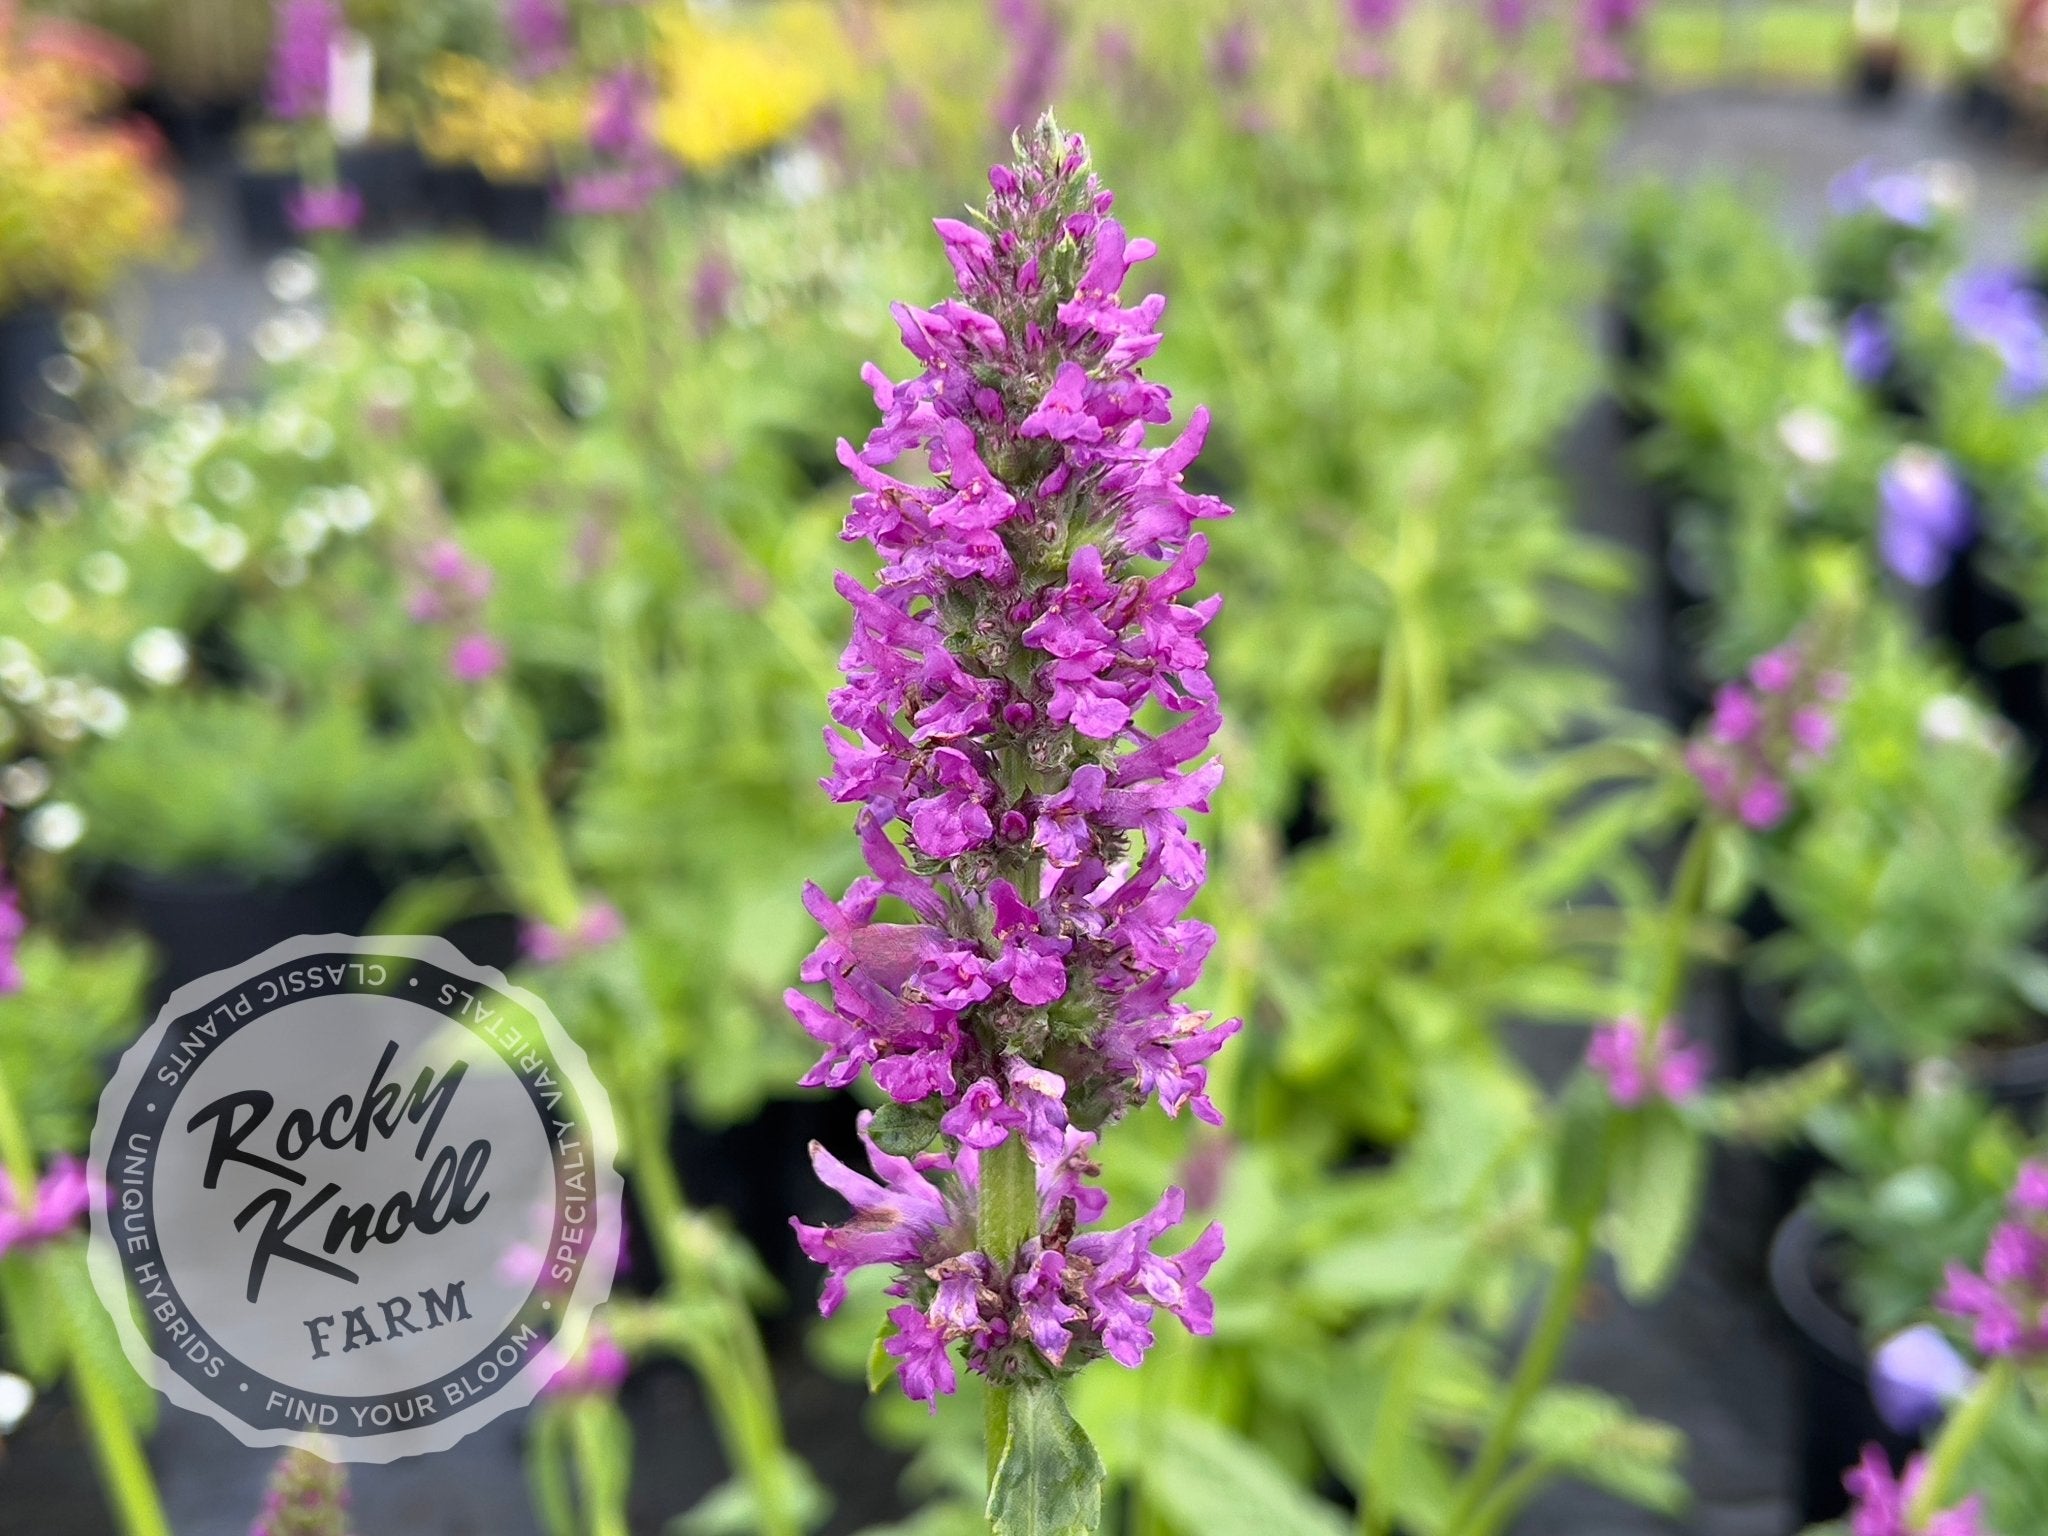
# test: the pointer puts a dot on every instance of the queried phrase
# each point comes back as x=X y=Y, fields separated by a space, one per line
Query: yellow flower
x=507 y=128
x=735 y=84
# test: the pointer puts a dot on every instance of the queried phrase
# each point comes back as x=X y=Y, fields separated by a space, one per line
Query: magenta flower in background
x=2006 y=1300
x=713 y=287
x=598 y=1369
x=1997 y=309
x=599 y=926
x=618 y=115
x=13 y=926
x=1031 y=30
x=612 y=191
x=1375 y=18
x=1510 y=19
x=1884 y=1502
x=539 y=34
x=1032 y=607
x=1765 y=729
x=1866 y=346
x=54 y=1208
x=1640 y=1067
x=334 y=209
x=475 y=658
x=629 y=169
x=1924 y=515
x=303 y=33
x=1233 y=52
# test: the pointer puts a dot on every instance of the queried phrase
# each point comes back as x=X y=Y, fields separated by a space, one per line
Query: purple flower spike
x=1767 y=728
x=1924 y=515
x=1640 y=1068
x=302 y=38
x=13 y=925
x=539 y=34
x=598 y=1369
x=1035 y=602
x=1995 y=308
x=1905 y=198
x=2006 y=1303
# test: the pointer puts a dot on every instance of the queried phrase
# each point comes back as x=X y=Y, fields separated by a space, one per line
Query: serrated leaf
x=1049 y=1481
x=1659 y=1167
x=1206 y=1479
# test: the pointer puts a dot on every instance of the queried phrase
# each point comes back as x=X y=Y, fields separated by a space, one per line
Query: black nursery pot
x=389 y=175
x=204 y=920
x=519 y=212
x=1838 y=1417
x=260 y=199
x=2014 y=1077
x=197 y=131
x=1969 y=611
x=452 y=197
x=28 y=338
x=1875 y=73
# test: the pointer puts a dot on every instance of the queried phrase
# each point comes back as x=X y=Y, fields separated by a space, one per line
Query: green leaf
x=94 y=1346
x=1385 y=1268
x=547 y=1472
x=1659 y=1168
x=881 y=1364
x=732 y=1509
x=1595 y=1436
x=904 y=1130
x=1578 y=1189
x=1049 y=1482
x=38 y=1343
x=1204 y=1478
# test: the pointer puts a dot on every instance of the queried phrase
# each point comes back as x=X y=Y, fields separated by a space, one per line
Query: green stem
x=602 y=1505
x=1506 y=1501
x=124 y=1470
x=1688 y=898
x=17 y=1151
x=734 y=1367
x=1532 y=1374
x=1959 y=1436
x=1009 y=1218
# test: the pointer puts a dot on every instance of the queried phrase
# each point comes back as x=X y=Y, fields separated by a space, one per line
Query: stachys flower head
x=2006 y=1302
x=1640 y=1067
x=1884 y=1502
x=1066 y=1298
x=1771 y=725
x=308 y=1496
x=13 y=924
x=1024 y=717
x=324 y=210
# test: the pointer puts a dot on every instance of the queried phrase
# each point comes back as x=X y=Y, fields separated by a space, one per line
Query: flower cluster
x=1765 y=728
x=628 y=168
x=995 y=685
x=1071 y=1296
x=1997 y=309
x=65 y=1195
x=1032 y=30
x=1606 y=29
x=1908 y=198
x=2007 y=1303
x=598 y=1369
x=308 y=1496
x=301 y=48
x=450 y=592
x=1641 y=1066
x=332 y=209
x=1924 y=516
x=1866 y=346
x=597 y=926
x=1884 y=1502
x=539 y=34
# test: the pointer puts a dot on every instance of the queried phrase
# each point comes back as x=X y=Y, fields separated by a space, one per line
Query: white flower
x=105 y=572
x=160 y=656
x=16 y=1398
x=55 y=827
x=1810 y=436
x=1806 y=322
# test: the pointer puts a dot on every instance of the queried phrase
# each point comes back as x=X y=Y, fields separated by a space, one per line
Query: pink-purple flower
x=596 y=927
x=1884 y=1502
x=1764 y=730
x=303 y=33
x=54 y=1207
x=539 y=34
x=1642 y=1066
x=448 y=592
x=1023 y=723
x=597 y=1369
x=1070 y=1296
x=13 y=926
x=307 y=1496
x=2005 y=1300
x=334 y=208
